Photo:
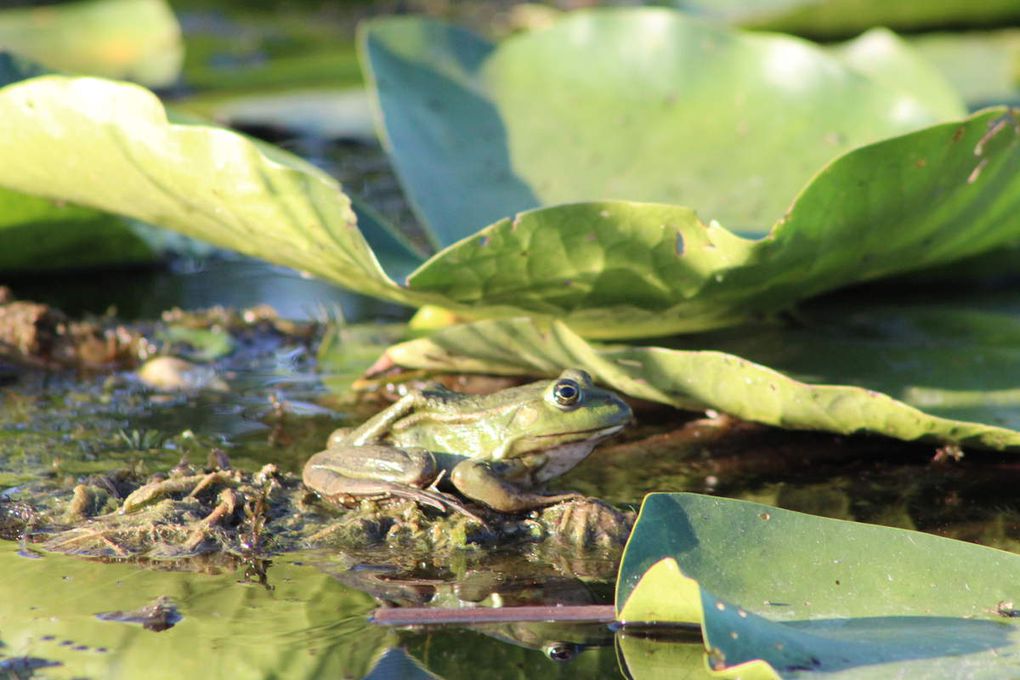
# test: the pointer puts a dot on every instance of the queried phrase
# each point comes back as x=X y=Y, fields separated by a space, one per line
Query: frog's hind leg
x=379 y=471
x=480 y=481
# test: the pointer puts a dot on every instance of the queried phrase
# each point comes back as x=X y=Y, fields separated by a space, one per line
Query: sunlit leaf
x=638 y=104
x=691 y=379
x=109 y=146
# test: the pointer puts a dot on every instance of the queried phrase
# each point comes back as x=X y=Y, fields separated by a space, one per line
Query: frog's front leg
x=374 y=429
x=377 y=470
x=484 y=482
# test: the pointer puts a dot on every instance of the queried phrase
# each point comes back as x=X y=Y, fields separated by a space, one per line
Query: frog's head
x=561 y=422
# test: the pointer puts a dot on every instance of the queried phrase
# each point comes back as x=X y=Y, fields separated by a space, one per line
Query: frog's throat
x=577 y=440
x=561 y=459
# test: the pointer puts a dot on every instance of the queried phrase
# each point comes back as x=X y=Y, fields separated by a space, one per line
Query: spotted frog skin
x=492 y=449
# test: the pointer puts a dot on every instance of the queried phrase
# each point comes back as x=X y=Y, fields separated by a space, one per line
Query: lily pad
x=640 y=104
x=792 y=593
x=42 y=234
x=693 y=379
x=133 y=39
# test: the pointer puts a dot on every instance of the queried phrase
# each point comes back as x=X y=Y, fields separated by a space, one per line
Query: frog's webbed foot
x=380 y=471
x=435 y=499
x=378 y=489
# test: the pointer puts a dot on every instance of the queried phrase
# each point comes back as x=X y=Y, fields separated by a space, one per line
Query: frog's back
x=463 y=424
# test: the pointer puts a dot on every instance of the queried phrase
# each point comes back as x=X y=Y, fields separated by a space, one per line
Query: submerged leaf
x=51 y=607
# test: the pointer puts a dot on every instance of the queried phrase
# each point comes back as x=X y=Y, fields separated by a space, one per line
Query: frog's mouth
x=594 y=433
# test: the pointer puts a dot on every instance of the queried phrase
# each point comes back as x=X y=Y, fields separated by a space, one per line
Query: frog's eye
x=567 y=392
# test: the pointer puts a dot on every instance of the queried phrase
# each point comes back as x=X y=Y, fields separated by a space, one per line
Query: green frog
x=493 y=449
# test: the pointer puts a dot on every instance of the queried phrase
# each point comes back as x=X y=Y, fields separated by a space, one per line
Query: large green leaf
x=40 y=234
x=133 y=39
x=109 y=146
x=956 y=355
x=632 y=270
x=689 y=379
x=808 y=594
x=607 y=269
x=639 y=104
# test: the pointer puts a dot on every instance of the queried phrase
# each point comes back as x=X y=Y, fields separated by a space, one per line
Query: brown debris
x=40 y=336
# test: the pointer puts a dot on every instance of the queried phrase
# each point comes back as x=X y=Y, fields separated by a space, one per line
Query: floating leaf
x=610 y=269
x=41 y=234
x=689 y=379
x=953 y=355
x=809 y=594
